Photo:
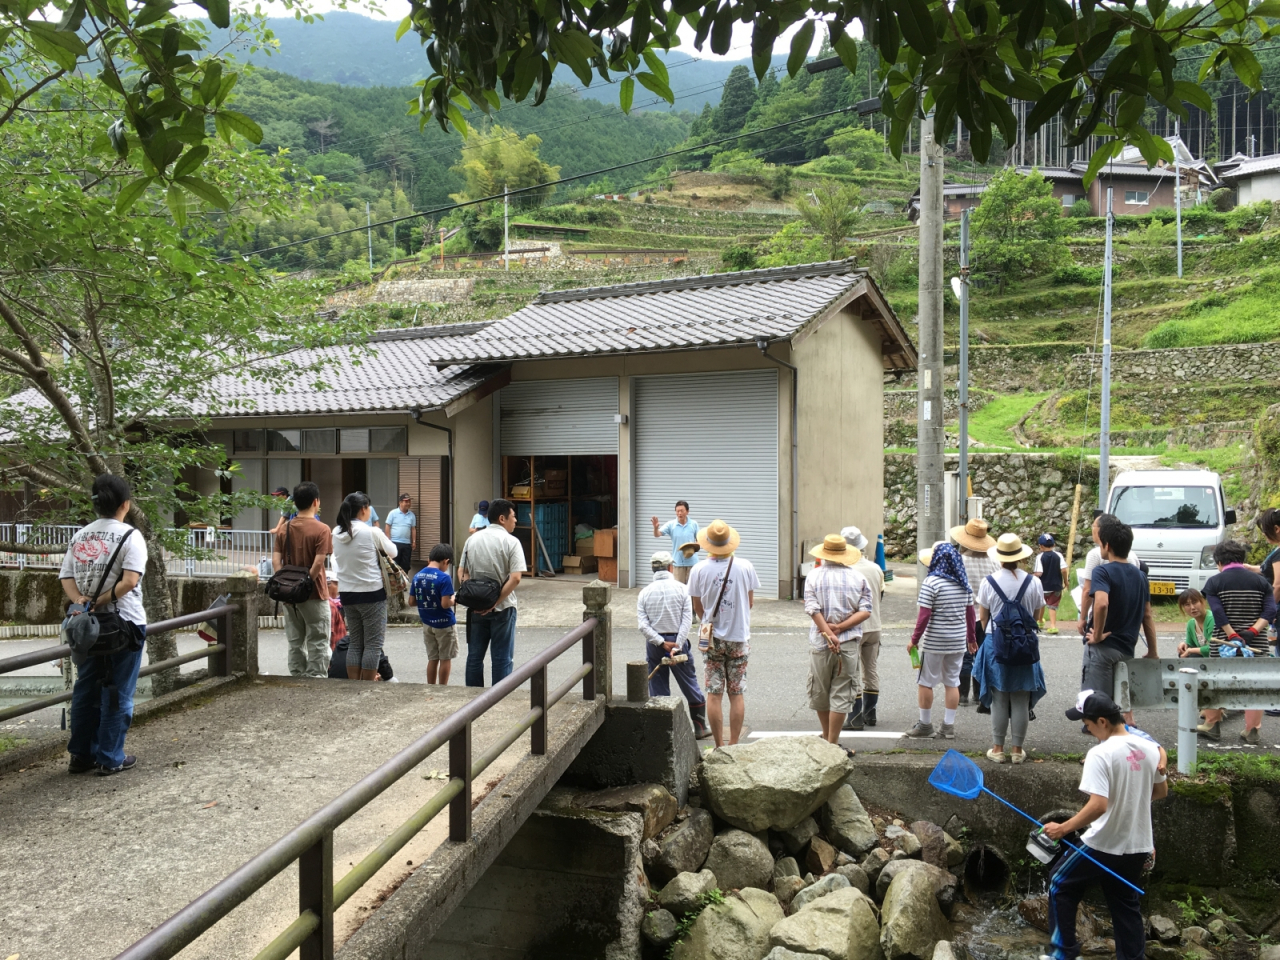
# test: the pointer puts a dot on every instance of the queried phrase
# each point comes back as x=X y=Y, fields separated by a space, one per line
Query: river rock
x=1035 y=911
x=873 y=863
x=846 y=824
x=680 y=896
x=797 y=838
x=821 y=858
x=651 y=800
x=909 y=844
x=1098 y=947
x=782 y=953
x=933 y=842
x=839 y=926
x=681 y=848
x=943 y=951
x=1197 y=935
x=1161 y=951
x=786 y=867
x=737 y=929
x=658 y=927
x=785 y=888
x=912 y=922
x=942 y=882
x=1162 y=929
x=740 y=860
x=1270 y=952
x=774 y=783
x=856 y=876
x=828 y=884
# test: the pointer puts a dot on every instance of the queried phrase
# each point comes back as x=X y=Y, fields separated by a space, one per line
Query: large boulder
x=782 y=953
x=658 y=927
x=846 y=824
x=682 y=847
x=774 y=783
x=912 y=922
x=651 y=800
x=680 y=896
x=840 y=926
x=737 y=929
x=740 y=860
x=943 y=882
x=828 y=884
x=933 y=843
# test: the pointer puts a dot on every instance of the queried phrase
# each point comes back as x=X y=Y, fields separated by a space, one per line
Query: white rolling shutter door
x=549 y=418
x=711 y=439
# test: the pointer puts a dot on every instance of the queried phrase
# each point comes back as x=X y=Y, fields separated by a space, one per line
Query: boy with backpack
x=433 y=590
x=1048 y=570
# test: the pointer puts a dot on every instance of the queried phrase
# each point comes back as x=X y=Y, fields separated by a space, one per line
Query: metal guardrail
x=219 y=663
x=311 y=842
x=1197 y=683
x=226 y=551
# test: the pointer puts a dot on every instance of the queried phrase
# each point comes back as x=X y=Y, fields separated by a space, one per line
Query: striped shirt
x=837 y=592
x=664 y=607
x=977 y=566
x=1239 y=597
x=948 y=629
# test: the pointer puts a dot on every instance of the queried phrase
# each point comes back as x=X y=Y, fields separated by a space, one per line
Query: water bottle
x=915 y=657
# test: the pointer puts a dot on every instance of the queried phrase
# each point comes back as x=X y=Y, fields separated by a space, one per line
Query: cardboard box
x=576 y=564
x=586 y=547
x=608 y=569
x=605 y=542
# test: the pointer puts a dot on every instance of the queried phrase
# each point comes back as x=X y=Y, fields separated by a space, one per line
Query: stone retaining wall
x=412 y=292
x=35 y=596
x=1190 y=365
x=901 y=404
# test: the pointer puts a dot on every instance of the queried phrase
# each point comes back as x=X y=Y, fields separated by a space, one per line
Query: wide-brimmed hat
x=835 y=549
x=719 y=539
x=926 y=556
x=974 y=535
x=690 y=548
x=853 y=536
x=1009 y=549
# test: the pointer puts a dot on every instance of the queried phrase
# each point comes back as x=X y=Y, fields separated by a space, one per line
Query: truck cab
x=1178 y=517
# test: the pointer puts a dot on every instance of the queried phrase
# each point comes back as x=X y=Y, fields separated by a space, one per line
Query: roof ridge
x=703 y=281
x=430 y=331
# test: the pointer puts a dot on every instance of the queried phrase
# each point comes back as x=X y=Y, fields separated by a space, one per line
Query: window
x=284 y=441
x=248 y=441
x=1136 y=196
x=388 y=440
x=353 y=441
x=1068 y=199
x=1166 y=506
x=319 y=441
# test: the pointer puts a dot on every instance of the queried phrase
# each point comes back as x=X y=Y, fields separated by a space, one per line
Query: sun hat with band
x=1009 y=549
x=926 y=556
x=973 y=535
x=689 y=549
x=719 y=539
x=835 y=549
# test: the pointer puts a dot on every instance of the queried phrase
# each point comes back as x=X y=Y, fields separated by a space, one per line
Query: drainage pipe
x=795 y=465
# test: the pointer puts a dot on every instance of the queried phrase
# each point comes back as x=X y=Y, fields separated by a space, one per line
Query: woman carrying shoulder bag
x=356 y=545
x=103 y=565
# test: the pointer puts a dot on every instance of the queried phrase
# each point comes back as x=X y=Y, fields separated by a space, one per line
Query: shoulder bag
x=707 y=632
x=394 y=579
x=93 y=632
x=290 y=584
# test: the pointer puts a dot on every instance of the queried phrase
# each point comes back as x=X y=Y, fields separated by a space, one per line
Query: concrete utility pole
x=930 y=509
x=368 y=219
x=506 y=231
x=1104 y=427
x=1177 y=190
x=962 y=512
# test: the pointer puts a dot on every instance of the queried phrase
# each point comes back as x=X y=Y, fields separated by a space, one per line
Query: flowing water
x=1001 y=935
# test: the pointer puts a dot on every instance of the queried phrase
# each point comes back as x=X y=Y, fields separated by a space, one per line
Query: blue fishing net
x=957 y=775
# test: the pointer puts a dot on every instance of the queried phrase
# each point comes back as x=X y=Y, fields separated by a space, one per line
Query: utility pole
x=506 y=230
x=962 y=511
x=368 y=219
x=1104 y=429
x=1177 y=190
x=930 y=464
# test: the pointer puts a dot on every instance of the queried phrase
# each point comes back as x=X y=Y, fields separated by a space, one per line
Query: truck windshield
x=1166 y=506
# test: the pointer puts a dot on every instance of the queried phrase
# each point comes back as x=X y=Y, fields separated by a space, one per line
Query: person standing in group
x=837 y=599
x=481 y=519
x=303 y=541
x=682 y=531
x=433 y=590
x=1048 y=569
x=492 y=553
x=1199 y=643
x=944 y=630
x=356 y=544
x=864 y=708
x=1121 y=779
x=402 y=528
x=665 y=614
x=1091 y=561
x=974 y=540
x=110 y=556
x=723 y=589
x=1121 y=606
x=1269 y=523
x=1010 y=690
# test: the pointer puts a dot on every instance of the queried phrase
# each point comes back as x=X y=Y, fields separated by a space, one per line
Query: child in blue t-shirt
x=433 y=590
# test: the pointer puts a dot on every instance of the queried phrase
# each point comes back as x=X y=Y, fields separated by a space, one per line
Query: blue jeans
x=686 y=673
x=102 y=707
x=498 y=629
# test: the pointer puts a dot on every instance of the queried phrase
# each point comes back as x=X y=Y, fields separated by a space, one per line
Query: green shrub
x=1164 y=213
x=1075 y=274
x=1222 y=199
x=1082 y=208
x=739 y=257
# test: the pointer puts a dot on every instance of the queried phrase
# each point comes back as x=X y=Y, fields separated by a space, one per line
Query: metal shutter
x=426 y=480
x=560 y=417
x=711 y=439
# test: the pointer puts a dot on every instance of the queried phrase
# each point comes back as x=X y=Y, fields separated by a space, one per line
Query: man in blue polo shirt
x=402 y=528
x=681 y=530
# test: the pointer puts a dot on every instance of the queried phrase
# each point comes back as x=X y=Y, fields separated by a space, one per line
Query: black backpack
x=1014 y=630
x=290 y=584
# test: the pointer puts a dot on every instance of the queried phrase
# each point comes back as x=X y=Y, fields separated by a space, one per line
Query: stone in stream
x=942 y=882
x=943 y=951
x=681 y=848
x=680 y=896
x=1162 y=929
x=651 y=800
x=1196 y=935
x=846 y=824
x=737 y=929
x=786 y=867
x=782 y=953
x=795 y=839
x=821 y=858
x=740 y=860
x=856 y=876
x=774 y=783
x=933 y=842
x=840 y=926
x=658 y=927
x=912 y=922
x=1162 y=951
x=908 y=844
x=873 y=863
x=785 y=888
x=828 y=884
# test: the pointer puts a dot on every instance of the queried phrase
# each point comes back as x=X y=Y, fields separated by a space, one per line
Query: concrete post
x=637 y=681
x=930 y=518
x=596 y=597
x=1188 y=717
x=242 y=644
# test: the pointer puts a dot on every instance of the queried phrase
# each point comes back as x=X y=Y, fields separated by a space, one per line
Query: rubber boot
x=699 y=714
x=854 y=721
x=869 y=701
x=964 y=689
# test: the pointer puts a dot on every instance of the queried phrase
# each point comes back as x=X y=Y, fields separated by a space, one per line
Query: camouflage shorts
x=726 y=669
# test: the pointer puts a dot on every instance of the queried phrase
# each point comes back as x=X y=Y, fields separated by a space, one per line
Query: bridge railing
x=310 y=844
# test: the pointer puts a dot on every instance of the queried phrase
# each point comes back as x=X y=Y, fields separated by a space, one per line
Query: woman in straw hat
x=974 y=540
x=1010 y=691
x=838 y=600
x=944 y=630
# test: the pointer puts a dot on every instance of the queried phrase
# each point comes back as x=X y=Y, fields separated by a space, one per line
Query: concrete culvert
x=986 y=873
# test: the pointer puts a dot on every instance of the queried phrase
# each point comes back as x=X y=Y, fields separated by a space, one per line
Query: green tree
x=791 y=245
x=864 y=148
x=832 y=213
x=736 y=101
x=1017 y=228
x=498 y=158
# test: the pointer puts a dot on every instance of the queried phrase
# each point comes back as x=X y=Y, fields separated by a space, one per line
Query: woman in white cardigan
x=364 y=598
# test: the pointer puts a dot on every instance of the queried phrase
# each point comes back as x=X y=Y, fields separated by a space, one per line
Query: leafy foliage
x=495 y=160
x=833 y=213
x=1017 y=227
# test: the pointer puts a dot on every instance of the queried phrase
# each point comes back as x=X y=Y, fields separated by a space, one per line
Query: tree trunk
x=159 y=606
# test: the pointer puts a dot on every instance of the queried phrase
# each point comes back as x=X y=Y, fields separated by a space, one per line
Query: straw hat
x=689 y=549
x=926 y=556
x=1009 y=549
x=973 y=535
x=854 y=537
x=835 y=549
x=719 y=539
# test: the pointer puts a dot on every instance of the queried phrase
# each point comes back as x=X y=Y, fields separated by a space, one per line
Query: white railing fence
x=222 y=551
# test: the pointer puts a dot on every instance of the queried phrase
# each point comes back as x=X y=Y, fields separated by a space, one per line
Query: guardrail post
x=1188 y=717
x=596 y=597
x=241 y=632
x=315 y=892
x=538 y=699
x=460 y=769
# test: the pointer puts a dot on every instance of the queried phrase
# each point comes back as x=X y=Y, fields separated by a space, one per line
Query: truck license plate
x=1163 y=588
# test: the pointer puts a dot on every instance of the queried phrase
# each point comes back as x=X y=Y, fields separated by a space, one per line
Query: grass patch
x=9 y=743
x=1249 y=317
x=993 y=424
x=1224 y=769
x=1224 y=461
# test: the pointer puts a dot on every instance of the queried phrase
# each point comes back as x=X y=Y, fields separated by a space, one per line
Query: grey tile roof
x=1252 y=166
x=686 y=313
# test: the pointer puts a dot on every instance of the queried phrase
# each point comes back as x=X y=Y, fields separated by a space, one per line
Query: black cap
x=1091 y=706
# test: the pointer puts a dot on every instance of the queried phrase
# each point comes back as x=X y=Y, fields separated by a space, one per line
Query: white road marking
x=844 y=734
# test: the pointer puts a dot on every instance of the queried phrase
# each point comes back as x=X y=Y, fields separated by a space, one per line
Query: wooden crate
x=605 y=543
x=608 y=569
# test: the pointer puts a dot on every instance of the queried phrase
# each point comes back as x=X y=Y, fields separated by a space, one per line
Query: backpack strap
x=1022 y=591
x=991 y=579
x=111 y=563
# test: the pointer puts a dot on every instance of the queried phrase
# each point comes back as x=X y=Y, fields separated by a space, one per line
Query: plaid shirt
x=664 y=607
x=838 y=592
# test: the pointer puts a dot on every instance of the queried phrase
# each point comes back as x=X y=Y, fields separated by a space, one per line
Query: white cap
x=854 y=538
x=661 y=559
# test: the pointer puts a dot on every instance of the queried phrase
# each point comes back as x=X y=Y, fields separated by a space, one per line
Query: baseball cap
x=1045 y=540
x=1091 y=705
x=662 y=557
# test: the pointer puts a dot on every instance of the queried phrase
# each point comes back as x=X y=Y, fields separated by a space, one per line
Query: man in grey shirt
x=493 y=554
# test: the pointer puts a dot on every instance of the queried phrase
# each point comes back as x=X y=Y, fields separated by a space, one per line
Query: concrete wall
x=35 y=596
x=1264 y=186
x=1160 y=190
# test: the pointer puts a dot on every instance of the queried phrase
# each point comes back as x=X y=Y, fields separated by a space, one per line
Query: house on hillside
x=1137 y=188
x=1252 y=178
x=756 y=396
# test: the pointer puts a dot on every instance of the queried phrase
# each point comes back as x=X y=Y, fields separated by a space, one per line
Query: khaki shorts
x=834 y=679
x=441 y=642
x=681 y=573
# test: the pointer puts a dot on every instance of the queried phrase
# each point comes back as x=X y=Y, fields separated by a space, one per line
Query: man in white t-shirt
x=730 y=614
x=1121 y=776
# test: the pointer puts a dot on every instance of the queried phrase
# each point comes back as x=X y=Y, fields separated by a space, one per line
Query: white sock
x=949 y=716
x=926 y=714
